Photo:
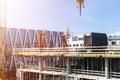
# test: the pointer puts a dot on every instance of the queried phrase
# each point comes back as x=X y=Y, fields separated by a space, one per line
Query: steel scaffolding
x=94 y=63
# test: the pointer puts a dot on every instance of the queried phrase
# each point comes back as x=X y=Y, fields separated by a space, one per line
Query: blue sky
x=97 y=16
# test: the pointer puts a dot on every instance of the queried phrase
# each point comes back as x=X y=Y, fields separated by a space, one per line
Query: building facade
x=26 y=38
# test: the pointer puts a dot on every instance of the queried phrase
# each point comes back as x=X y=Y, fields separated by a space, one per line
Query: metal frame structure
x=53 y=60
x=26 y=38
x=39 y=65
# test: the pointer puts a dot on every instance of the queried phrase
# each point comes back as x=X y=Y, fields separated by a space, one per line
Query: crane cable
x=80 y=3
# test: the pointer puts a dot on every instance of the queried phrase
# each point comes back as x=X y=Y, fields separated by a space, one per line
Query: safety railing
x=34 y=67
x=67 y=50
x=88 y=72
x=115 y=74
x=27 y=66
x=56 y=69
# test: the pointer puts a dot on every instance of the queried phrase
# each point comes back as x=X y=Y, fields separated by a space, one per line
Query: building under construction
x=28 y=39
x=44 y=55
x=27 y=54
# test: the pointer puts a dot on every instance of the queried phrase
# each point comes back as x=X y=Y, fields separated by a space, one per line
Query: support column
x=75 y=79
x=106 y=68
x=68 y=65
x=21 y=75
x=68 y=68
x=40 y=68
x=44 y=76
x=53 y=77
x=40 y=76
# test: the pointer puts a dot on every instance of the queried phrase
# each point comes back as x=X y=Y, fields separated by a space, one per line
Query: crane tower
x=2 y=39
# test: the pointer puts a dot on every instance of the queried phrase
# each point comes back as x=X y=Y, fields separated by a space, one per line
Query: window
x=70 y=45
x=80 y=38
x=77 y=44
x=113 y=43
x=81 y=45
x=73 y=45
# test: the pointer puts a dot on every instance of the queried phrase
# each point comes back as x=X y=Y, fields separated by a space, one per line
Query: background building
x=114 y=38
x=78 y=40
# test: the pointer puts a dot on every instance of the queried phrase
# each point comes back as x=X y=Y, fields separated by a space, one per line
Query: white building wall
x=113 y=39
x=78 y=42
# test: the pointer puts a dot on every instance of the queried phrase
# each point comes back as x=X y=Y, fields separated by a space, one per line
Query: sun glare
x=2 y=13
x=2 y=2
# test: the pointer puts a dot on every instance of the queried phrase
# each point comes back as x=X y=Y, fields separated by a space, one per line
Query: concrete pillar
x=40 y=67
x=44 y=76
x=68 y=65
x=75 y=78
x=40 y=76
x=68 y=68
x=106 y=68
x=21 y=75
x=53 y=78
x=40 y=63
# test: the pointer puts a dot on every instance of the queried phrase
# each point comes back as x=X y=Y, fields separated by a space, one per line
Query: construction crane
x=81 y=4
x=3 y=73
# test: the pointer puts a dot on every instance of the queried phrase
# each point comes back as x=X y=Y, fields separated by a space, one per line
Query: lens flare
x=2 y=13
